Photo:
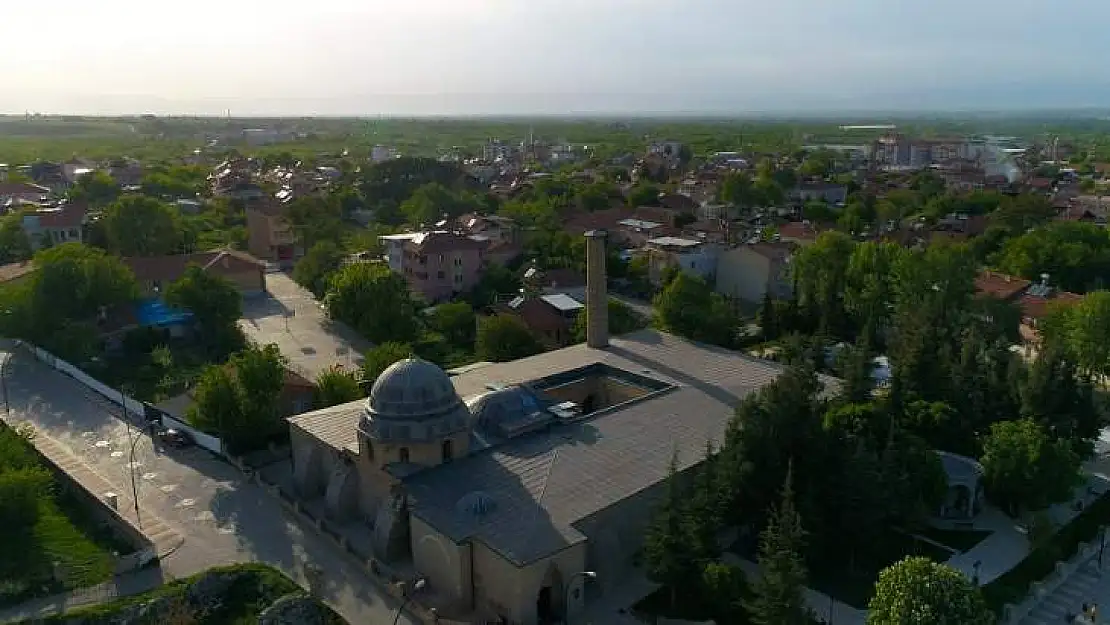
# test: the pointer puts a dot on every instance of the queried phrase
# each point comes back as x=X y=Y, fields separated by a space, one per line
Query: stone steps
x=1078 y=589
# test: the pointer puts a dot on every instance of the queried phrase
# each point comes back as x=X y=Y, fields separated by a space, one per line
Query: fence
x=130 y=405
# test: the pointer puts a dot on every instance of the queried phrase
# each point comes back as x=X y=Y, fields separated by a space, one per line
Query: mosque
x=521 y=490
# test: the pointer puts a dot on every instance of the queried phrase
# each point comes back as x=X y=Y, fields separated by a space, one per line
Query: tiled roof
x=22 y=188
x=169 y=268
x=65 y=216
x=436 y=242
x=999 y=285
x=1037 y=307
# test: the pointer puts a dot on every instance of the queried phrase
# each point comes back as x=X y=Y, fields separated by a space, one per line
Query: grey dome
x=413 y=400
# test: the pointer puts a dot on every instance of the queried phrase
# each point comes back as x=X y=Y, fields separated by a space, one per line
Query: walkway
x=127 y=585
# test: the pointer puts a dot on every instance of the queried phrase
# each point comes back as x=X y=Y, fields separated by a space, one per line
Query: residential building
x=16 y=194
x=298 y=394
x=270 y=237
x=155 y=273
x=437 y=264
x=748 y=272
x=382 y=153
x=798 y=232
x=74 y=168
x=549 y=317
x=51 y=226
x=836 y=194
x=692 y=256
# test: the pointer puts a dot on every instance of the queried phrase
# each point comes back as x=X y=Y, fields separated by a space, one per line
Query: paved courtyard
x=222 y=517
x=291 y=318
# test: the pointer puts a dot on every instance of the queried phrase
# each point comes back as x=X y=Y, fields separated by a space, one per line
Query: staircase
x=1081 y=587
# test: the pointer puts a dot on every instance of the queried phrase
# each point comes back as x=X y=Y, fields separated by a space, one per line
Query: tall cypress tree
x=669 y=554
x=778 y=595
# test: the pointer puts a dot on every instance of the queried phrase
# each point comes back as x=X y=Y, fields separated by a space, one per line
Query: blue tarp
x=155 y=312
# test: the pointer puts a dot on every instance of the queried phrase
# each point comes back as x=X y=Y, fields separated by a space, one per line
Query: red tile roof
x=66 y=216
x=170 y=268
x=22 y=188
x=999 y=285
x=798 y=230
x=1036 y=307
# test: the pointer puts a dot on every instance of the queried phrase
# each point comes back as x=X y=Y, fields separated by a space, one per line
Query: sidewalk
x=122 y=586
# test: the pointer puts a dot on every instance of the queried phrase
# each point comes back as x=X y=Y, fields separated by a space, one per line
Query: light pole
x=1101 y=546
x=4 y=383
x=585 y=575
x=134 y=441
x=401 y=608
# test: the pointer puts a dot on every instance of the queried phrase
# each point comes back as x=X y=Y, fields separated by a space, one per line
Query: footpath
x=125 y=585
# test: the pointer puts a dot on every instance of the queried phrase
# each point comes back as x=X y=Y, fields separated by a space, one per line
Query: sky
x=497 y=57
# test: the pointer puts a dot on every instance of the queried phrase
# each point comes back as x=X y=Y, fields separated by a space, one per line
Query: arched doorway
x=550 y=599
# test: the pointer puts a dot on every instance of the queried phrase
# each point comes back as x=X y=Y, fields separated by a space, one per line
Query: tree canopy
x=216 y=305
x=918 y=591
x=336 y=386
x=1024 y=468
x=241 y=401
x=502 y=338
x=137 y=225
x=374 y=301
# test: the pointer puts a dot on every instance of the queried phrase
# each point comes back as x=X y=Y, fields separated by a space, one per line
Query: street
x=291 y=318
x=222 y=517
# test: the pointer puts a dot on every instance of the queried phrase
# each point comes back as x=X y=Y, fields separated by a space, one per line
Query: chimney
x=597 y=295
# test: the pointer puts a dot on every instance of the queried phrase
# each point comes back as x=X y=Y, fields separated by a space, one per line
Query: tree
x=724 y=588
x=502 y=338
x=374 y=301
x=216 y=305
x=336 y=386
x=97 y=188
x=622 y=320
x=455 y=321
x=260 y=373
x=137 y=225
x=668 y=558
x=821 y=273
x=1087 y=328
x=643 y=195
x=918 y=591
x=1075 y=255
x=1025 y=469
x=379 y=358
x=737 y=189
x=688 y=307
x=431 y=203
x=317 y=266
x=778 y=594
x=218 y=406
x=14 y=244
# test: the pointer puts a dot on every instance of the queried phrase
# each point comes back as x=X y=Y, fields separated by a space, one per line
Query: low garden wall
x=130 y=405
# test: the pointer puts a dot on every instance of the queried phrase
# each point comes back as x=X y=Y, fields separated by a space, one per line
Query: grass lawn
x=259 y=587
x=960 y=540
x=856 y=585
x=67 y=534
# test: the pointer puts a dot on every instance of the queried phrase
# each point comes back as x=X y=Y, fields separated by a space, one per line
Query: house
x=692 y=256
x=51 y=226
x=437 y=264
x=549 y=317
x=13 y=194
x=748 y=272
x=270 y=237
x=155 y=273
x=830 y=193
x=798 y=232
x=74 y=168
x=1037 y=303
x=1000 y=285
x=297 y=394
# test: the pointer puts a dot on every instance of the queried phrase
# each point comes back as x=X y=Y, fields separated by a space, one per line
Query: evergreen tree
x=668 y=550
x=767 y=323
x=704 y=511
x=778 y=595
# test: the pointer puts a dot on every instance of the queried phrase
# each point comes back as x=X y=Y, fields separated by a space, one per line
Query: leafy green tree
x=14 y=245
x=379 y=358
x=1088 y=333
x=241 y=401
x=668 y=556
x=176 y=182
x=97 y=188
x=868 y=287
x=821 y=273
x=431 y=203
x=688 y=307
x=738 y=189
x=218 y=406
x=502 y=338
x=317 y=266
x=643 y=195
x=336 y=386
x=1053 y=394
x=724 y=590
x=260 y=373
x=374 y=301
x=216 y=305
x=918 y=591
x=778 y=594
x=622 y=320
x=1024 y=468
x=1075 y=255
x=315 y=218
x=137 y=225
x=455 y=321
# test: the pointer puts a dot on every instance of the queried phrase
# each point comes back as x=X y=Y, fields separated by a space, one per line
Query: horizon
x=569 y=57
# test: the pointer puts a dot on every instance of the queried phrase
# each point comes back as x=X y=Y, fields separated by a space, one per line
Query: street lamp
x=570 y=582
x=1101 y=546
x=4 y=368
x=407 y=596
x=134 y=441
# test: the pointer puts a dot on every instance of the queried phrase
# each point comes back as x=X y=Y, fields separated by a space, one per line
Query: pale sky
x=418 y=57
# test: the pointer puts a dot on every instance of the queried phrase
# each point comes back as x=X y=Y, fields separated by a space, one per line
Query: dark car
x=176 y=438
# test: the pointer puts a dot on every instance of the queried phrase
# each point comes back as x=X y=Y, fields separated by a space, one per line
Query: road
x=222 y=517
x=291 y=318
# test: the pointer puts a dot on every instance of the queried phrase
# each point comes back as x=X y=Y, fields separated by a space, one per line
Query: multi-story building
x=52 y=226
x=437 y=264
x=692 y=256
x=748 y=272
x=270 y=237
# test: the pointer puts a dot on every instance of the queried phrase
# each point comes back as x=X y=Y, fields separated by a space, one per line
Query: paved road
x=223 y=518
x=290 y=317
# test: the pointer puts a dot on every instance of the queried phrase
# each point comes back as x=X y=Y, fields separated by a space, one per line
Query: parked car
x=176 y=438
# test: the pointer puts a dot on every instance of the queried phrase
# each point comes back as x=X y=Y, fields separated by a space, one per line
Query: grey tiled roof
x=542 y=484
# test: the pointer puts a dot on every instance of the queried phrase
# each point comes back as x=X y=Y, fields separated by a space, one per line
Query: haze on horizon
x=506 y=57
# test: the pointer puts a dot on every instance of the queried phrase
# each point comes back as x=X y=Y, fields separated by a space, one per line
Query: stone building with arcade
x=502 y=485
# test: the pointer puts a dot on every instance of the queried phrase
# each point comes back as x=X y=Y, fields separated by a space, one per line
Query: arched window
x=404 y=454
x=448 y=450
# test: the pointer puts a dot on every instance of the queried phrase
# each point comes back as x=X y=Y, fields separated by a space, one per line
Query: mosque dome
x=413 y=401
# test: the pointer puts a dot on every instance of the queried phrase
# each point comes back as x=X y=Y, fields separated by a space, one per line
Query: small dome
x=412 y=389
x=477 y=504
x=413 y=400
